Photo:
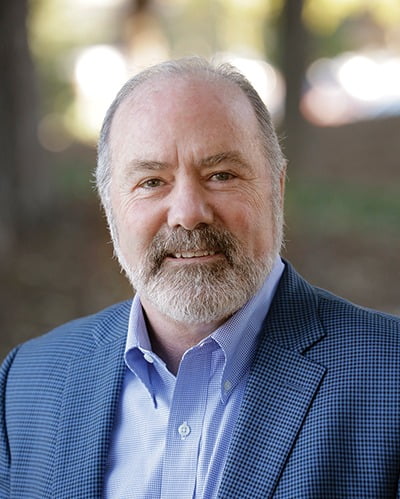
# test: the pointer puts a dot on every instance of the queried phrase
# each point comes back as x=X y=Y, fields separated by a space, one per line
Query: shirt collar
x=237 y=337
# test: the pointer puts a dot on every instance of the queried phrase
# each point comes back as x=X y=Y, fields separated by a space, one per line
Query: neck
x=170 y=339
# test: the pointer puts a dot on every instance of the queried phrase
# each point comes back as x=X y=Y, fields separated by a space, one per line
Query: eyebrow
x=144 y=165
x=229 y=156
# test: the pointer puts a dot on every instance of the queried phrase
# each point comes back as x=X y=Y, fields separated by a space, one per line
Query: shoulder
x=334 y=312
x=72 y=339
x=89 y=331
x=304 y=316
x=337 y=313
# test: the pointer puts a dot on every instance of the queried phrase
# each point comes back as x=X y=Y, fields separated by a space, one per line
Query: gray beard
x=198 y=293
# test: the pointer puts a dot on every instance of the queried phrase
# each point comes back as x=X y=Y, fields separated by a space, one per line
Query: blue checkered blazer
x=320 y=417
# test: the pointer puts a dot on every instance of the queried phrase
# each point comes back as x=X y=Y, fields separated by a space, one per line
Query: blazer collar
x=281 y=387
x=293 y=321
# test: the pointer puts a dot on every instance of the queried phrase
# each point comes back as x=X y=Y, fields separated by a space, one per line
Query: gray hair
x=188 y=67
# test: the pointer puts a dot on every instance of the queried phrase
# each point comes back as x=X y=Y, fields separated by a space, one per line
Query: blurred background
x=329 y=70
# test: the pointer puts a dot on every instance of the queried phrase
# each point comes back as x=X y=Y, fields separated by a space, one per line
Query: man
x=228 y=375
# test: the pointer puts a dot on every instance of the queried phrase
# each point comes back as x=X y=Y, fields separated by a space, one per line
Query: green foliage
x=341 y=207
x=325 y=16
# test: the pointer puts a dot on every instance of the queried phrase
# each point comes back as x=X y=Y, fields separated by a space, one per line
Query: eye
x=151 y=183
x=221 y=176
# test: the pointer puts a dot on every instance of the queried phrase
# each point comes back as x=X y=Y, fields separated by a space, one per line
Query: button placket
x=185 y=425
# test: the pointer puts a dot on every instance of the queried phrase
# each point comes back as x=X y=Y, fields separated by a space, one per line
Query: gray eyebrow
x=144 y=164
x=228 y=156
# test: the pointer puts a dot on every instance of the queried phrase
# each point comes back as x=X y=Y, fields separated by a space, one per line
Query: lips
x=193 y=254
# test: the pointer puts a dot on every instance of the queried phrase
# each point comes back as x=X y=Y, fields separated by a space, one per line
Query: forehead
x=187 y=89
x=176 y=109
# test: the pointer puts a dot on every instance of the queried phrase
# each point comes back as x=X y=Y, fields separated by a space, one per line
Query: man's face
x=191 y=197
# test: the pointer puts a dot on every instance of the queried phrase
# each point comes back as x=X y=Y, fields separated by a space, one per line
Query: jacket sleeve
x=5 y=455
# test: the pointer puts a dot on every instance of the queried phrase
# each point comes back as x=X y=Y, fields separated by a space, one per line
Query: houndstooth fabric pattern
x=320 y=416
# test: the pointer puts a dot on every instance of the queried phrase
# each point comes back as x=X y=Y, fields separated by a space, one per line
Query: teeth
x=193 y=254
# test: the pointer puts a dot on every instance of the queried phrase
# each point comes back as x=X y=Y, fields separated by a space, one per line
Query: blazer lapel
x=89 y=402
x=281 y=387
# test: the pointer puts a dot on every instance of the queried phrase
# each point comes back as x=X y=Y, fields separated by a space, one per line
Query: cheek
x=137 y=225
x=251 y=222
x=245 y=210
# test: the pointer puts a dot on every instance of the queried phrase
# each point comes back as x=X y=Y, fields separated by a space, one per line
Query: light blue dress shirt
x=171 y=434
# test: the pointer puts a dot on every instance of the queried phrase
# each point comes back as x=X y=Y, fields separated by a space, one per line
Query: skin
x=186 y=152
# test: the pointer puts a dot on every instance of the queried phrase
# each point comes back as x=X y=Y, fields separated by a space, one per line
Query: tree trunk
x=21 y=187
x=295 y=57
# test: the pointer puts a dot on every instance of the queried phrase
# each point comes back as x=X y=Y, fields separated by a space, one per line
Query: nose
x=188 y=205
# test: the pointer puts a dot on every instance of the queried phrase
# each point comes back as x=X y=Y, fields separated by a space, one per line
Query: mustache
x=207 y=238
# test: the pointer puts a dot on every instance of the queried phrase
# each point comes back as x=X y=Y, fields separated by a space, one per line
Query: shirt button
x=149 y=358
x=227 y=385
x=184 y=430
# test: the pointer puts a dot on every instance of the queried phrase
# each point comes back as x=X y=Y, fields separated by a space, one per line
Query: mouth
x=192 y=254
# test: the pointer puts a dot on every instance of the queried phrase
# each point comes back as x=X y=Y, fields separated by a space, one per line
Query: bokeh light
x=99 y=73
x=359 y=75
x=352 y=87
